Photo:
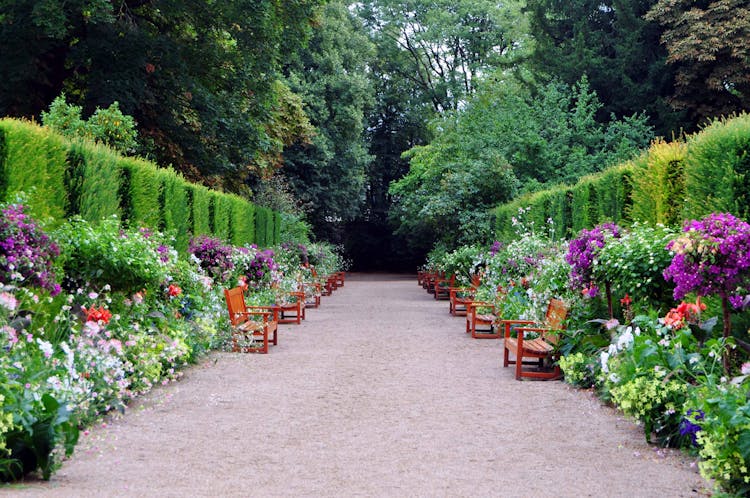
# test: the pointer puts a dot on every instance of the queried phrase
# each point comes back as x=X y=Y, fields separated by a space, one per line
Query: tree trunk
x=727 y=322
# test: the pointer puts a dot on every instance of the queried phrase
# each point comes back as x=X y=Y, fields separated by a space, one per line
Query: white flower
x=45 y=347
x=745 y=368
x=614 y=378
x=604 y=359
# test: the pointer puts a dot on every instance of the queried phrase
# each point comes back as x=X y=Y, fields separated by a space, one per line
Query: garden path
x=378 y=393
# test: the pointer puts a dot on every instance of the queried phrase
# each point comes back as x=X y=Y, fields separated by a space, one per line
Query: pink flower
x=8 y=301
x=745 y=368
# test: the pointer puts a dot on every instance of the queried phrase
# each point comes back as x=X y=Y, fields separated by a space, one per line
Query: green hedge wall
x=35 y=163
x=668 y=183
x=717 y=169
x=93 y=181
x=243 y=221
x=62 y=178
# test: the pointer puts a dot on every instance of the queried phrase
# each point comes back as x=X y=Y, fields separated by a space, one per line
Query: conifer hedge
x=62 y=178
x=668 y=183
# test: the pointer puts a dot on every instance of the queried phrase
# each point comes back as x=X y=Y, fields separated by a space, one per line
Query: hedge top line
x=63 y=178
x=670 y=182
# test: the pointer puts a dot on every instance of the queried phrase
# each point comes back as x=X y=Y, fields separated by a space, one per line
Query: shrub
x=717 y=169
x=104 y=254
x=93 y=181
x=26 y=252
x=659 y=184
x=215 y=258
x=35 y=164
x=633 y=264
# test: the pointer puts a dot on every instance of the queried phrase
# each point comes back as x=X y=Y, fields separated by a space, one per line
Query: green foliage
x=724 y=438
x=108 y=126
x=243 y=222
x=327 y=174
x=35 y=164
x=717 y=169
x=221 y=213
x=199 y=78
x=262 y=218
x=142 y=193
x=93 y=182
x=113 y=128
x=200 y=198
x=615 y=47
x=175 y=209
x=659 y=184
x=634 y=265
x=580 y=370
x=709 y=50
x=105 y=254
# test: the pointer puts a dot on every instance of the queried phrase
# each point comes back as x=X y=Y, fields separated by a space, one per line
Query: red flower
x=625 y=301
x=100 y=314
x=174 y=290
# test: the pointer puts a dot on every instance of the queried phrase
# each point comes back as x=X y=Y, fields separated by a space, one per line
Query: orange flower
x=174 y=290
x=100 y=314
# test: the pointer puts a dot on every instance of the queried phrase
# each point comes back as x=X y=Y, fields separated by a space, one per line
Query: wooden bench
x=460 y=297
x=482 y=314
x=541 y=348
x=245 y=331
x=442 y=287
x=292 y=307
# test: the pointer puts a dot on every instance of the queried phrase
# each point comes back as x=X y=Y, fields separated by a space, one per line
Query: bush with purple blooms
x=215 y=258
x=583 y=250
x=261 y=271
x=26 y=252
x=712 y=258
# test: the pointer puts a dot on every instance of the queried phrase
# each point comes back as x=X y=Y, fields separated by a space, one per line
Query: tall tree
x=506 y=140
x=199 y=77
x=612 y=44
x=328 y=174
x=709 y=47
x=442 y=47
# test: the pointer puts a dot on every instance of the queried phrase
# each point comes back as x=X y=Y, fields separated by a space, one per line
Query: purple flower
x=712 y=257
x=582 y=251
x=688 y=425
x=26 y=253
x=215 y=257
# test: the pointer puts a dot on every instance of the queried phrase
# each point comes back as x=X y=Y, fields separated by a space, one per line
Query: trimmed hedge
x=34 y=163
x=669 y=183
x=63 y=178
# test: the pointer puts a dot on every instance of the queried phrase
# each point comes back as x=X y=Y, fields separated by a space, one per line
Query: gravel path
x=378 y=393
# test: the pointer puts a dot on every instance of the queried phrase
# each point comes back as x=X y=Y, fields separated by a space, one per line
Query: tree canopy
x=381 y=124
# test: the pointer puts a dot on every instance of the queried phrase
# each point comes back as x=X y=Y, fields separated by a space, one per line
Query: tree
x=507 y=139
x=328 y=174
x=615 y=47
x=200 y=78
x=442 y=47
x=709 y=46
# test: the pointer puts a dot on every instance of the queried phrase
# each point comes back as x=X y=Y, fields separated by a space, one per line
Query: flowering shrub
x=214 y=257
x=634 y=264
x=26 y=252
x=712 y=257
x=581 y=254
x=723 y=434
x=105 y=254
x=580 y=370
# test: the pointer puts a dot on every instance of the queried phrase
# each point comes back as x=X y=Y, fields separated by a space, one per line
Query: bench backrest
x=476 y=280
x=557 y=312
x=236 y=305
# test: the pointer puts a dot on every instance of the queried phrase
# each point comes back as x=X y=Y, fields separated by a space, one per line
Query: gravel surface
x=378 y=393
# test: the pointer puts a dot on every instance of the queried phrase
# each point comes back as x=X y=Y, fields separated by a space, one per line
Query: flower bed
x=666 y=365
x=93 y=315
